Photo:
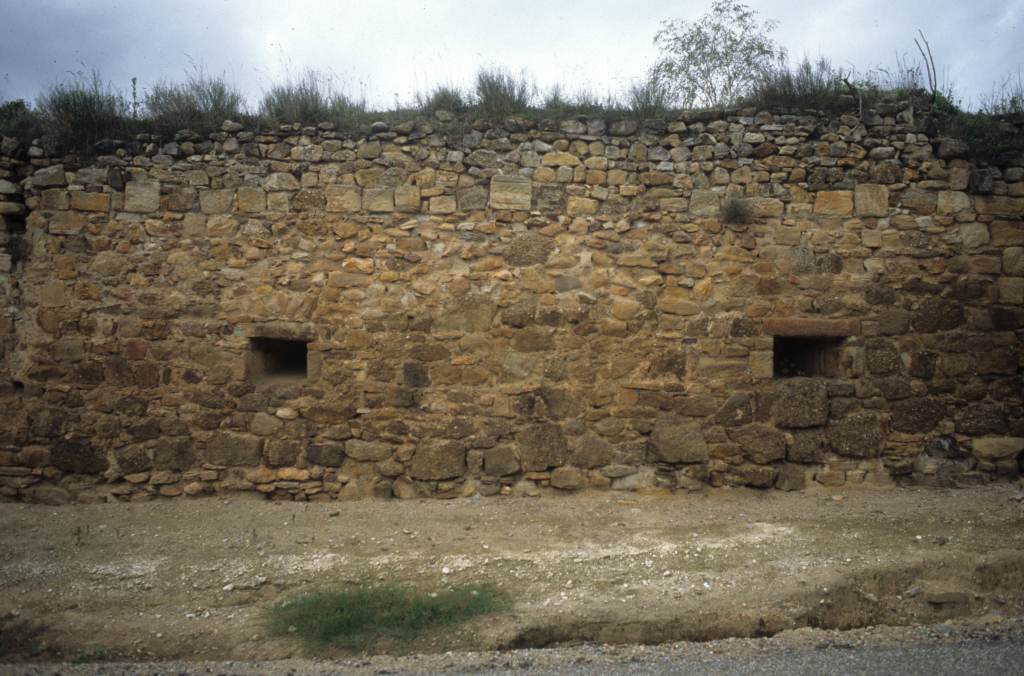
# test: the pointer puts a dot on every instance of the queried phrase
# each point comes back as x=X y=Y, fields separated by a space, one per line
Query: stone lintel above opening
x=798 y=326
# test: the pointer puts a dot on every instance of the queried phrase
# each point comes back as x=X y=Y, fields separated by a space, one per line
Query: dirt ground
x=190 y=579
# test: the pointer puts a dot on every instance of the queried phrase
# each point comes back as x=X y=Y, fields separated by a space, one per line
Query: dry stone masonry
x=443 y=308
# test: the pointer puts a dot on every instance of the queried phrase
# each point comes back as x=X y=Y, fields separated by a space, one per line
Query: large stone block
x=78 y=456
x=529 y=248
x=501 y=460
x=511 y=192
x=541 y=446
x=216 y=201
x=871 y=200
x=471 y=314
x=857 y=436
x=368 y=451
x=704 y=203
x=677 y=439
x=142 y=196
x=833 y=203
x=344 y=198
x=438 y=459
x=997 y=448
x=379 y=200
x=761 y=444
x=326 y=453
x=801 y=402
x=233 y=449
x=917 y=415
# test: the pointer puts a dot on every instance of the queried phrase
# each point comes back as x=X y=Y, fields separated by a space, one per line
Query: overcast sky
x=386 y=48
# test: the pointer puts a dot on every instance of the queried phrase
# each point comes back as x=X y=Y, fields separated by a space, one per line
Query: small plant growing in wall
x=737 y=210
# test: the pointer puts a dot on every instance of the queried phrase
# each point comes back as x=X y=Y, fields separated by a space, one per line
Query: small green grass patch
x=356 y=617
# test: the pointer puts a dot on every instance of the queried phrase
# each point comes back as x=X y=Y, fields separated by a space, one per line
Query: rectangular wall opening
x=277 y=358
x=806 y=356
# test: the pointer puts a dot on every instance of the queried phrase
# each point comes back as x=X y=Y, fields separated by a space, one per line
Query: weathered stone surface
x=807 y=446
x=565 y=304
x=801 y=402
x=471 y=314
x=438 y=459
x=343 y=198
x=78 y=456
x=541 y=446
x=529 y=249
x=997 y=448
x=357 y=449
x=233 y=449
x=511 y=192
x=677 y=439
x=567 y=478
x=761 y=444
x=871 y=200
x=917 y=415
x=281 y=181
x=326 y=453
x=834 y=203
x=501 y=460
x=857 y=436
x=142 y=196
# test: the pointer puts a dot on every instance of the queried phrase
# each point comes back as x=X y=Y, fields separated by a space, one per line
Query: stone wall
x=441 y=308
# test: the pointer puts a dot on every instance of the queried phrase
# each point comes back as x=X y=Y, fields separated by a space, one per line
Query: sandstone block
x=378 y=200
x=443 y=204
x=676 y=301
x=801 y=402
x=567 y=478
x=917 y=415
x=857 y=436
x=541 y=446
x=407 y=199
x=952 y=202
x=67 y=223
x=48 y=177
x=704 y=203
x=327 y=453
x=559 y=159
x=281 y=181
x=581 y=206
x=344 y=198
x=368 y=451
x=233 y=449
x=500 y=460
x=142 y=196
x=761 y=444
x=871 y=200
x=677 y=439
x=216 y=201
x=511 y=192
x=78 y=456
x=90 y=201
x=437 y=460
x=997 y=448
x=834 y=203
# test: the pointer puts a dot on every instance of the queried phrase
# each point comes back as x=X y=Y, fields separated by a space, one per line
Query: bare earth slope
x=190 y=579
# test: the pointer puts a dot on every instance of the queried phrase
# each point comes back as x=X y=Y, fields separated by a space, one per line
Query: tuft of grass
x=200 y=103
x=737 y=210
x=355 y=618
x=19 y=121
x=1006 y=97
x=93 y=652
x=18 y=636
x=582 y=102
x=310 y=99
x=82 y=110
x=649 y=98
x=443 y=97
x=499 y=93
x=809 y=84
